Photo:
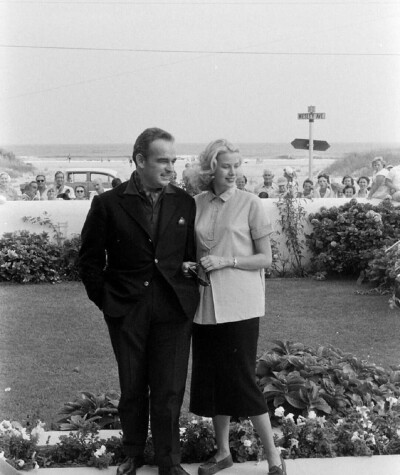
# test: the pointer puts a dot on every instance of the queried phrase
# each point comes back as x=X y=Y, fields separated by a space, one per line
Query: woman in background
x=363 y=183
x=80 y=193
x=323 y=189
x=233 y=248
x=6 y=190
x=378 y=188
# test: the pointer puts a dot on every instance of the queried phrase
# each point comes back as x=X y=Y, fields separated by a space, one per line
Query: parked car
x=87 y=177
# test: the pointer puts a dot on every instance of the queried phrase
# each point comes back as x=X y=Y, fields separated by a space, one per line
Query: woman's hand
x=186 y=266
x=210 y=263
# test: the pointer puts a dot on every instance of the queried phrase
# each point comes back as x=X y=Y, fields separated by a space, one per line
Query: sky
x=102 y=71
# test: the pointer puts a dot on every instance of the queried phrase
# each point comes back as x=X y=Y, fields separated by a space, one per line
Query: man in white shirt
x=268 y=186
x=60 y=188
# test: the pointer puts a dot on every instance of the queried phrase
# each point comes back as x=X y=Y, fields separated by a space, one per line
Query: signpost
x=311 y=115
x=304 y=144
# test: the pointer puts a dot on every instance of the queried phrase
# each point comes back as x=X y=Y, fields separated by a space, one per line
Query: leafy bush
x=326 y=380
x=87 y=407
x=14 y=166
x=384 y=267
x=345 y=238
x=27 y=257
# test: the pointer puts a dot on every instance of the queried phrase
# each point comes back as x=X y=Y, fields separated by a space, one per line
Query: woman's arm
x=379 y=181
x=260 y=260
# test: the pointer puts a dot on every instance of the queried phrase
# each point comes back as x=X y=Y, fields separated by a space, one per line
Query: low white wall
x=71 y=216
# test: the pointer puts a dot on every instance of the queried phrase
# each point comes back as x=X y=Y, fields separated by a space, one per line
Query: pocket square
x=181 y=221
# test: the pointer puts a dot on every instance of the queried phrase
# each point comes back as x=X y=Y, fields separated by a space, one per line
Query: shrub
x=345 y=238
x=384 y=267
x=326 y=380
x=87 y=407
x=27 y=257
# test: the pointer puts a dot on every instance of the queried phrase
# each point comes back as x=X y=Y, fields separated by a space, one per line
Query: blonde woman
x=378 y=189
x=233 y=248
x=6 y=190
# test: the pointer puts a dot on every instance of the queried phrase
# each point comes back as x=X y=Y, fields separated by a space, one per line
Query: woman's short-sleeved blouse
x=226 y=226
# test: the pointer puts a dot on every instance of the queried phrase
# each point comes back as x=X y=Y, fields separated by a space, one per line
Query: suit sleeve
x=190 y=251
x=92 y=255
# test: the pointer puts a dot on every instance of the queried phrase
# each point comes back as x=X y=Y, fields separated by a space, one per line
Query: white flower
x=5 y=425
x=2 y=457
x=194 y=421
x=182 y=430
x=301 y=421
x=247 y=443
x=392 y=401
x=355 y=436
x=20 y=463
x=38 y=430
x=290 y=416
x=101 y=451
x=24 y=434
x=312 y=415
x=7 y=390
x=367 y=425
x=206 y=419
x=371 y=439
x=339 y=422
x=279 y=411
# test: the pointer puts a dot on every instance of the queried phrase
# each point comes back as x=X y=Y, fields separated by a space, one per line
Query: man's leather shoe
x=212 y=466
x=173 y=470
x=129 y=466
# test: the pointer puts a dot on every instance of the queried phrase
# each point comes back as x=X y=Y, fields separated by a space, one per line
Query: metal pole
x=310 y=150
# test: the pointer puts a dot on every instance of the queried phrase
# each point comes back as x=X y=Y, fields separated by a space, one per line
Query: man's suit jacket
x=118 y=256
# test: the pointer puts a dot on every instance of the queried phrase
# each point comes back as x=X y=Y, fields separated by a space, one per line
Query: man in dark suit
x=134 y=242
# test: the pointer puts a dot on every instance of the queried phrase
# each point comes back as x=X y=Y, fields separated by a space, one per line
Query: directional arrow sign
x=304 y=144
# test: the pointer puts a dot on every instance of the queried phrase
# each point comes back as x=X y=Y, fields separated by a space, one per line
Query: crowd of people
x=40 y=190
x=384 y=183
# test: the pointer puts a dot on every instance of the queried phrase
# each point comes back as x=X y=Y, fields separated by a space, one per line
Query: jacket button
x=156 y=261
x=145 y=283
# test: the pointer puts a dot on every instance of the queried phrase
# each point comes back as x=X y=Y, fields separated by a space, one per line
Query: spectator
x=308 y=189
x=324 y=189
x=349 y=191
x=378 y=189
x=42 y=188
x=363 y=183
x=393 y=182
x=282 y=185
x=80 y=193
x=60 y=188
x=173 y=178
x=115 y=182
x=347 y=180
x=31 y=192
x=268 y=186
x=241 y=182
x=6 y=190
x=51 y=194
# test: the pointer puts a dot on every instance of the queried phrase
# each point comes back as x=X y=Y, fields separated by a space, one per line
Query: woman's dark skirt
x=223 y=370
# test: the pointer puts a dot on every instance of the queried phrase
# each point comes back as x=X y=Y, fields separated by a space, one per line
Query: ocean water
x=122 y=152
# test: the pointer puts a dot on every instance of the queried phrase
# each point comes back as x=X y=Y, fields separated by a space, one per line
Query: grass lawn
x=54 y=343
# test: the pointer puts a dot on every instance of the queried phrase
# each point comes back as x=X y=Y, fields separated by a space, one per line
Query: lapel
x=132 y=205
x=168 y=209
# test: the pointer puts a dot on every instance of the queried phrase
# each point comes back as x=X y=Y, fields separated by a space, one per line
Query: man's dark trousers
x=151 y=345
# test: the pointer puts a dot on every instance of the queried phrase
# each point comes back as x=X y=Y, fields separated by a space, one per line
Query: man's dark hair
x=115 y=182
x=147 y=137
x=59 y=173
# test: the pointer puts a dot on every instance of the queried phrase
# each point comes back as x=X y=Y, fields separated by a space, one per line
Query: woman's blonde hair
x=207 y=164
